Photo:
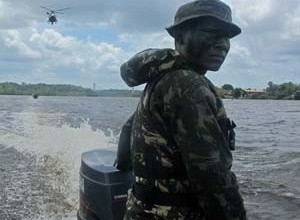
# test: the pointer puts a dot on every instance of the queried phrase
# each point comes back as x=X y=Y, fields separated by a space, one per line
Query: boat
x=35 y=96
x=297 y=95
x=102 y=188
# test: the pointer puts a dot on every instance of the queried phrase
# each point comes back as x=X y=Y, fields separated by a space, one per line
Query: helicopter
x=51 y=14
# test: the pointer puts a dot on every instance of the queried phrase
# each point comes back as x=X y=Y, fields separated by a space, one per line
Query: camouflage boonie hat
x=205 y=8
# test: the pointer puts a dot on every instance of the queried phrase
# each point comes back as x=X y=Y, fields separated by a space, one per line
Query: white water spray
x=57 y=148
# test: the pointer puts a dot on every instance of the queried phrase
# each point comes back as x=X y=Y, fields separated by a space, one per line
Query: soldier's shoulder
x=182 y=77
x=178 y=84
x=148 y=64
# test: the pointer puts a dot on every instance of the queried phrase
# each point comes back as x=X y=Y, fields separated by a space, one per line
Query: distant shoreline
x=285 y=91
x=9 y=88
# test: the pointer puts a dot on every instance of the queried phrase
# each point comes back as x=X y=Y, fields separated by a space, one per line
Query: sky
x=94 y=37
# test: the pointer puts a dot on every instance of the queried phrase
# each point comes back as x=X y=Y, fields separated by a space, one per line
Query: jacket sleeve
x=194 y=126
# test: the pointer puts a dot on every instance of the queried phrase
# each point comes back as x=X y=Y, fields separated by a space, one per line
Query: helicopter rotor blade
x=58 y=12
x=48 y=9
x=62 y=9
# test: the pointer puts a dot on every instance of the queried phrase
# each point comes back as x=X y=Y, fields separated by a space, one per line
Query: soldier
x=181 y=138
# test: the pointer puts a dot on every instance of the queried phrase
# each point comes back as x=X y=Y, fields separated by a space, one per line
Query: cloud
x=13 y=41
x=93 y=38
x=67 y=58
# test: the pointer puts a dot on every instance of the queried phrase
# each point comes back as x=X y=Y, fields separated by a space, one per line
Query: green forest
x=9 y=88
x=272 y=91
x=286 y=91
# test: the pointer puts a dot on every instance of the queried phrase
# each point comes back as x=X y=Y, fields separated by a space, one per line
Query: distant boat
x=35 y=96
x=297 y=95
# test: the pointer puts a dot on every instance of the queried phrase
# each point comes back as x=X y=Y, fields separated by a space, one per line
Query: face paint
x=206 y=46
x=197 y=44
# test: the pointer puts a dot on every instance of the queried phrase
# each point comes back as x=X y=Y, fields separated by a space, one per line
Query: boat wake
x=40 y=163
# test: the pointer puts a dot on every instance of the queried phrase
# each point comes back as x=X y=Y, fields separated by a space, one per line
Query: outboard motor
x=103 y=188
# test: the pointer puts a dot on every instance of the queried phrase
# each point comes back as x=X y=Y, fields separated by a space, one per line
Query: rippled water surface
x=41 y=141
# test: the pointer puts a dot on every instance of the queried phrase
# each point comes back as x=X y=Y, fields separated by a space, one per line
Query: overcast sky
x=93 y=38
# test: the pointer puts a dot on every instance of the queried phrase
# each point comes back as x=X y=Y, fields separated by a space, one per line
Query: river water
x=41 y=141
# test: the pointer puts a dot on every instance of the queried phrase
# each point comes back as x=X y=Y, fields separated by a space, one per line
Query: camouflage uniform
x=180 y=143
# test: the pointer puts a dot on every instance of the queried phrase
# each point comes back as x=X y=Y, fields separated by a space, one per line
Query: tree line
x=272 y=91
x=9 y=88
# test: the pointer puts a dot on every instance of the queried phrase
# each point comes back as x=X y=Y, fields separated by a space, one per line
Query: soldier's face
x=206 y=45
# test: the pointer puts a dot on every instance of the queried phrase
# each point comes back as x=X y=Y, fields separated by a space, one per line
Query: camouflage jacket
x=179 y=142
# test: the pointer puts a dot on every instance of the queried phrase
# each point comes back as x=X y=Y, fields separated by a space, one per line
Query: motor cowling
x=102 y=189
